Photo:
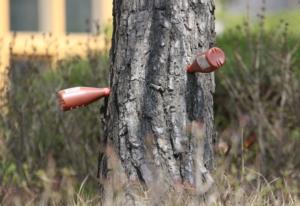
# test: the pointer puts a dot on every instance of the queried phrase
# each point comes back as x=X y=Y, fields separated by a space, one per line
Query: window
x=78 y=15
x=24 y=15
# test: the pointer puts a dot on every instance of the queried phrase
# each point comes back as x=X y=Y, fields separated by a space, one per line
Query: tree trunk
x=158 y=118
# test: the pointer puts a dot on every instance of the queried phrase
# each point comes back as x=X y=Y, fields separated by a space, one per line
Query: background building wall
x=44 y=30
x=80 y=15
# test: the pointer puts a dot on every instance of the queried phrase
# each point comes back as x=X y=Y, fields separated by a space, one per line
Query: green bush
x=34 y=129
x=256 y=95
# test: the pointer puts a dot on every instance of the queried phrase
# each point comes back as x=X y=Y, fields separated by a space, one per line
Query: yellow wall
x=58 y=45
x=4 y=47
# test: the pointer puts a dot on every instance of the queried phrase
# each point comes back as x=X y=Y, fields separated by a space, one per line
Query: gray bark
x=156 y=111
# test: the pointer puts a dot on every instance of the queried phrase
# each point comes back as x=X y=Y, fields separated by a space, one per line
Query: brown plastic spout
x=75 y=97
x=207 y=62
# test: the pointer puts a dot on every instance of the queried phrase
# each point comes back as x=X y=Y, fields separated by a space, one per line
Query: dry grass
x=253 y=190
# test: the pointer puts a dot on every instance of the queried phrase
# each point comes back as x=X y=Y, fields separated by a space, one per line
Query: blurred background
x=47 y=155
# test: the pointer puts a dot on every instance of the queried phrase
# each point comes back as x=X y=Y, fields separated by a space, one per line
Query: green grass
x=272 y=20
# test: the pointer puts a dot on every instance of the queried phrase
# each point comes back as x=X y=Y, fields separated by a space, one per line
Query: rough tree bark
x=153 y=97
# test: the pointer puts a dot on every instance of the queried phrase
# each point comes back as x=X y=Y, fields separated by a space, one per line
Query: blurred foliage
x=272 y=20
x=34 y=129
x=256 y=104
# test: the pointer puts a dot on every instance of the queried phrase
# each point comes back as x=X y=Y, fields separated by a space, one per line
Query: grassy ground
x=272 y=20
x=49 y=157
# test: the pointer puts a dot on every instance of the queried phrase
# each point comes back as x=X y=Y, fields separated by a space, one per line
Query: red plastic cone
x=208 y=61
x=80 y=96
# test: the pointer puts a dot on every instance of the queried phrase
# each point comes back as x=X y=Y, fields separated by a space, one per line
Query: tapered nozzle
x=208 y=61
x=80 y=96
